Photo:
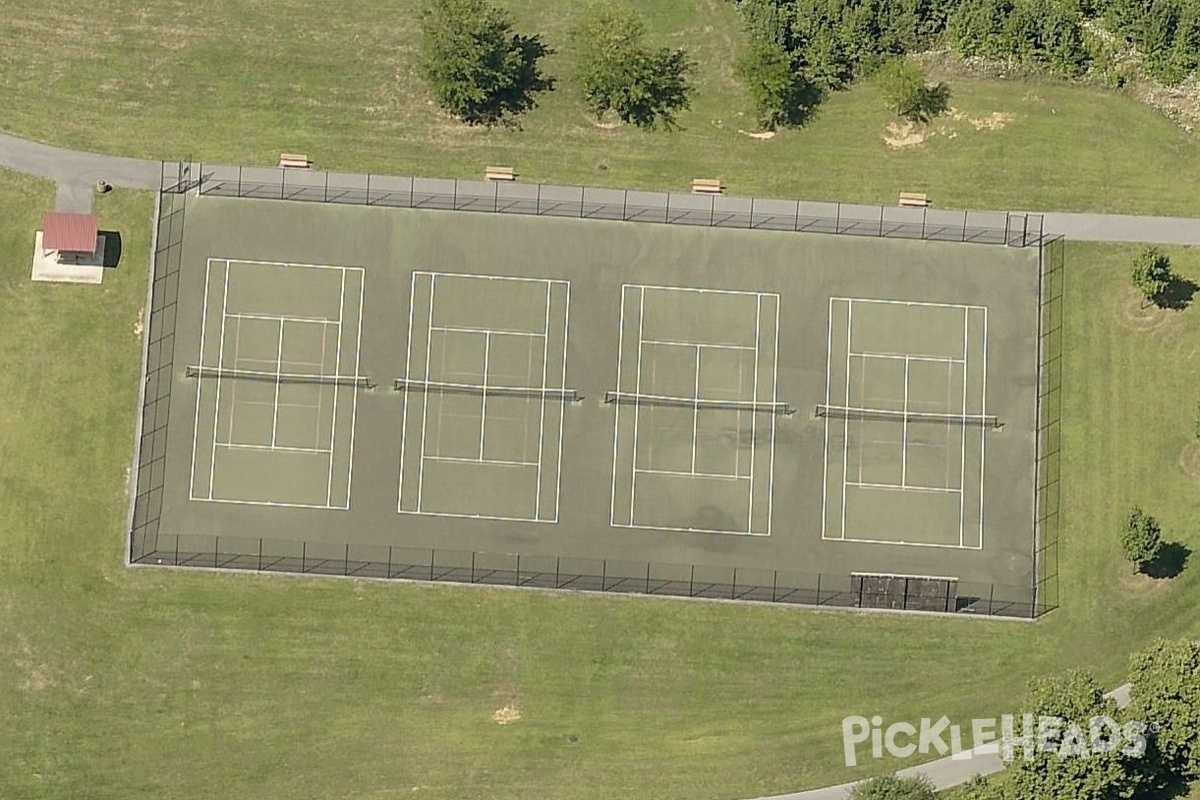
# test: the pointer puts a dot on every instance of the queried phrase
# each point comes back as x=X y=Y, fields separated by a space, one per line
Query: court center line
x=487 y=351
x=904 y=431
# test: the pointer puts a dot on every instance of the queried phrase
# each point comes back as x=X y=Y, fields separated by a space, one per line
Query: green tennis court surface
x=404 y=387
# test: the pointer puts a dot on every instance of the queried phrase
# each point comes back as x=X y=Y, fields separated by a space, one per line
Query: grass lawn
x=237 y=81
x=141 y=683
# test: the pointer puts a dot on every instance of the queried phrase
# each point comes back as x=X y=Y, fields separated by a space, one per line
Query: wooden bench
x=708 y=186
x=500 y=174
x=294 y=161
x=914 y=200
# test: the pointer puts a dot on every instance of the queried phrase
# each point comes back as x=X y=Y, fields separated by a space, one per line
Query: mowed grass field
x=140 y=683
x=237 y=81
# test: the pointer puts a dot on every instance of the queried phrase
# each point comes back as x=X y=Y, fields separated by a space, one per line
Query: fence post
x=991 y=598
x=881 y=220
x=668 y=216
x=282 y=183
x=518 y=580
x=432 y=558
x=733 y=588
x=368 y=188
x=216 y=550
x=647 y=577
x=837 y=220
x=774 y=585
x=472 y=552
x=712 y=211
x=692 y=582
x=625 y=205
x=346 y=561
x=796 y=219
x=751 y=213
x=582 y=191
x=239 y=189
x=260 y=541
x=557 y=565
x=304 y=557
x=389 y=564
x=818 y=588
x=454 y=204
x=539 y=200
x=604 y=574
x=325 y=197
x=924 y=222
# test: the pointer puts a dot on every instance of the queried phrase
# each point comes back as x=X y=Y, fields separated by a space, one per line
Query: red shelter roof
x=74 y=233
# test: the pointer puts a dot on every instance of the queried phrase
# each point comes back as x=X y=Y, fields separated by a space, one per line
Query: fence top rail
x=1013 y=229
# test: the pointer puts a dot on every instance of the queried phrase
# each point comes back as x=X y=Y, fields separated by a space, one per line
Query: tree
x=1152 y=274
x=1166 y=696
x=904 y=88
x=479 y=69
x=781 y=95
x=1141 y=538
x=1081 y=759
x=979 y=787
x=620 y=73
x=893 y=787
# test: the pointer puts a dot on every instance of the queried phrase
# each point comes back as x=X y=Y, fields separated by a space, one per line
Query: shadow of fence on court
x=676 y=208
x=577 y=574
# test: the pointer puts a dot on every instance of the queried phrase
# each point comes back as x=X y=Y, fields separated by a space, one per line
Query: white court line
x=753 y=417
x=774 y=424
x=637 y=408
x=498 y=331
x=904 y=431
x=200 y=385
x=220 y=364
x=828 y=401
x=562 y=416
x=271 y=503
x=687 y=530
x=895 y=488
x=903 y=302
x=903 y=357
x=412 y=303
x=487 y=353
x=537 y=500
x=321 y=395
x=612 y=504
x=274 y=448
x=491 y=517
x=490 y=461
x=982 y=438
x=515 y=278
x=672 y=343
x=962 y=508
x=425 y=395
x=846 y=423
x=696 y=410
x=284 y=317
x=721 y=476
x=287 y=264
x=337 y=370
x=644 y=286
x=902 y=543
x=278 y=383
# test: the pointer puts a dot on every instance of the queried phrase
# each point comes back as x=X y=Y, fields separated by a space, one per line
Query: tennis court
x=276 y=384
x=906 y=423
x=483 y=397
x=695 y=399
x=446 y=395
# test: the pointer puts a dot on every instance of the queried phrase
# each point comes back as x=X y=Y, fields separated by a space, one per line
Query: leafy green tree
x=1166 y=696
x=620 y=73
x=904 y=89
x=478 y=69
x=1070 y=766
x=782 y=96
x=893 y=787
x=1141 y=538
x=1152 y=274
x=979 y=787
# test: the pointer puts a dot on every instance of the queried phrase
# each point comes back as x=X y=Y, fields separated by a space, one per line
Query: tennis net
x=225 y=373
x=882 y=415
x=441 y=387
x=697 y=403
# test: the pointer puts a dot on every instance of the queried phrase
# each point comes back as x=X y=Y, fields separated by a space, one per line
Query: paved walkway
x=75 y=171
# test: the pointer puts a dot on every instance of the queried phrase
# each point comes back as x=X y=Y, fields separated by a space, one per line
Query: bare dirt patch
x=905 y=134
x=506 y=715
x=762 y=135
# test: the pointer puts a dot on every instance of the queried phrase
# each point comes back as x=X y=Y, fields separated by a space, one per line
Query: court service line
x=562 y=412
x=892 y=487
x=722 y=476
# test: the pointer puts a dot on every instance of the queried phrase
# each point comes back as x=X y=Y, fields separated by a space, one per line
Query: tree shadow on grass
x=1169 y=562
x=112 y=248
x=1178 y=294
